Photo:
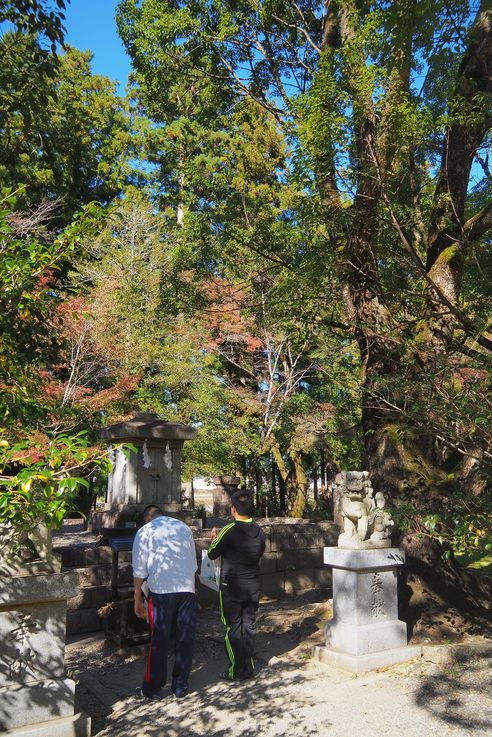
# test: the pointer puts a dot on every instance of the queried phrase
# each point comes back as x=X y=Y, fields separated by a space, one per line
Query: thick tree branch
x=462 y=141
x=479 y=224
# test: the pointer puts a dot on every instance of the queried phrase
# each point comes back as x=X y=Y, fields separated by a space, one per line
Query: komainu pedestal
x=36 y=698
x=365 y=632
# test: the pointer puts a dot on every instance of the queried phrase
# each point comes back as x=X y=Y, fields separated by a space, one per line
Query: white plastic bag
x=210 y=572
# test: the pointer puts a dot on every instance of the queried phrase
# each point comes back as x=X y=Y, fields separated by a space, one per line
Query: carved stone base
x=364 y=663
x=356 y=639
x=365 y=624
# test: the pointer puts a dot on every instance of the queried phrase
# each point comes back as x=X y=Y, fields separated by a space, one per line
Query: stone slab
x=41 y=701
x=358 y=560
x=78 y=725
x=365 y=639
x=364 y=663
x=28 y=589
x=144 y=426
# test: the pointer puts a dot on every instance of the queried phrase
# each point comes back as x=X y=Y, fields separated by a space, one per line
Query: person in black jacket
x=241 y=545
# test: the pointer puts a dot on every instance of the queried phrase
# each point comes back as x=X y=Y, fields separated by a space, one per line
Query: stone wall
x=293 y=562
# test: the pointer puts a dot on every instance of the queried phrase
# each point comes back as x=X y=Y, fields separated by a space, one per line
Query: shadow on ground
x=107 y=677
x=458 y=692
x=291 y=695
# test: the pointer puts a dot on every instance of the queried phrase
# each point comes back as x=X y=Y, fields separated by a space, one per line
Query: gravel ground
x=447 y=691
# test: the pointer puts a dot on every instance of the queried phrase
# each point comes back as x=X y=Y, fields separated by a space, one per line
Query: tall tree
x=65 y=134
x=389 y=109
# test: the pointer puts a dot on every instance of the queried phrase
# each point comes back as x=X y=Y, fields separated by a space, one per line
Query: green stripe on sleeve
x=221 y=534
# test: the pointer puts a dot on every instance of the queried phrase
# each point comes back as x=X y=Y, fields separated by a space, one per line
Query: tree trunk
x=301 y=488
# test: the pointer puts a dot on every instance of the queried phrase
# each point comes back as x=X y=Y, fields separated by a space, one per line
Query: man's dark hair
x=243 y=503
x=150 y=512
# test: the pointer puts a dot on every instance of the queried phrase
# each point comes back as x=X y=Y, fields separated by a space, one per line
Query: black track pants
x=239 y=618
x=170 y=615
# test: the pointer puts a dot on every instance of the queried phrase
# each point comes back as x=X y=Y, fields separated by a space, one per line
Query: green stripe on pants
x=228 y=645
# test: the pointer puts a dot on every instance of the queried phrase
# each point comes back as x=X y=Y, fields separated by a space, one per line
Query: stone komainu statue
x=367 y=524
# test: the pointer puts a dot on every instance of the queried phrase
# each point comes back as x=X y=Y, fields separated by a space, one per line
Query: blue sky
x=91 y=26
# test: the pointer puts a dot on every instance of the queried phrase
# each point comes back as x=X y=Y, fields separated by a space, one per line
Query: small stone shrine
x=365 y=632
x=151 y=475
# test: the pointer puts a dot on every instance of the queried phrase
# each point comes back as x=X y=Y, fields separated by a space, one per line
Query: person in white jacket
x=164 y=555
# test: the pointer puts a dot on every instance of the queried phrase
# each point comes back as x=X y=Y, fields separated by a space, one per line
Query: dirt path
x=446 y=692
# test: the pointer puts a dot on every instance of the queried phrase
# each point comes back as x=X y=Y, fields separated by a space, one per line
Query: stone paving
x=448 y=691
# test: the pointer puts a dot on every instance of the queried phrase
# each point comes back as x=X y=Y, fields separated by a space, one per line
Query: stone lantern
x=225 y=486
x=151 y=475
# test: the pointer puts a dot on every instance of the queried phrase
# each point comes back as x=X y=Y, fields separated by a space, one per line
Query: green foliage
x=65 y=135
x=41 y=484
x=462 y=525
x=28 y=269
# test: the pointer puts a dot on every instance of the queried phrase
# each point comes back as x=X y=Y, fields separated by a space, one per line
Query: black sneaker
x=151 y=697
x=179 y=693
x=225 y=676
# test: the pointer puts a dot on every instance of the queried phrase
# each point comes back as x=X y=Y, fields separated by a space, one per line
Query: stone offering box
x=36 y=698
x=151 y=475
x=365 y=632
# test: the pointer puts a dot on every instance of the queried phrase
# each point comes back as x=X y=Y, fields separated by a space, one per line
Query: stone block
x=206 y=596
x=268 y=563
x=68 y=556
x=364 y=663
x=100 y=555
x=39 y=701
x=88 y=597
x=359 y=560
x=365 y=639
x=300 y=558
x=83 y=620
x=310 y=535
x=296 y=581
x=323 y=578
x=78 y=725
x=201 y=543
x=32 y=642
x=18 y=590
x=365 y=597
x=272 y=585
